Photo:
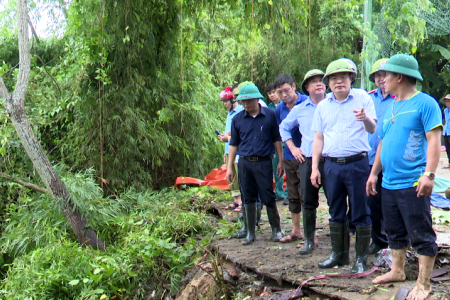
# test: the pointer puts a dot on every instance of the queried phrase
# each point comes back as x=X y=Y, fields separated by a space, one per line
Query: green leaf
x=3 y=151
x=74 y=282
x=444 y=51
x=131 y=273
x=413 y=49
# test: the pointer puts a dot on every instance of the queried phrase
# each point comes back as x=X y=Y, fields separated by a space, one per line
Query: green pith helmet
x=240 y=86
x=340 y=66
x=249 y=92
x=403 y=64
x=377 y=67
x=309 y=74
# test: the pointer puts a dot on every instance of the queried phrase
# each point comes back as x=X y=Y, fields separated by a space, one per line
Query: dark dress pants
x=344 y=180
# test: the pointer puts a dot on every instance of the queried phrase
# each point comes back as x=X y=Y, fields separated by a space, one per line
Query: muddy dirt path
x=281 y=262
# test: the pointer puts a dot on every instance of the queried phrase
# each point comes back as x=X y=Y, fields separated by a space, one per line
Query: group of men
x=374 y=153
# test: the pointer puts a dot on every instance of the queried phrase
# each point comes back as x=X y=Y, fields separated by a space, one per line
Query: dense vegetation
x=126 y=99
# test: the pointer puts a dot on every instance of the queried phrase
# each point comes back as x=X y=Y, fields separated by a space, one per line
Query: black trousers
x=408 y=216
x=256 y=178
x=447 y=146
x=310 y=194
x=378 y=234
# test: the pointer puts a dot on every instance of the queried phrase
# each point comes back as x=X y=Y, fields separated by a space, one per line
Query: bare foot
x=420 y=292
x=392 y=276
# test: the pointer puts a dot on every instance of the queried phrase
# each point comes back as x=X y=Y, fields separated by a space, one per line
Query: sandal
x=446 y=167
x=238 y=209
x=232 y=206
x=290 y=238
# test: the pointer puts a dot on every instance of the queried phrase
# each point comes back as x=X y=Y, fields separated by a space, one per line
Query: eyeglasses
x=285 y=91
x=337 y=78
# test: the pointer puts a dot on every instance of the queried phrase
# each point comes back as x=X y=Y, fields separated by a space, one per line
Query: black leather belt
x=257 y=158
x=348 y=159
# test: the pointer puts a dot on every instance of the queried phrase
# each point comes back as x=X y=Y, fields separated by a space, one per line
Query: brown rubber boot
x=423 y=287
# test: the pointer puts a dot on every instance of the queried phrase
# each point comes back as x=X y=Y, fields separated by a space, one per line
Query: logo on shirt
x=413 y=145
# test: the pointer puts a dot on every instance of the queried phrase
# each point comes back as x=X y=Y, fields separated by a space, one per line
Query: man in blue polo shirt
x=342 y=122
x=286 y=87
x=301 y=116
x=408 y=154
x=381 y=100
x=255 y=137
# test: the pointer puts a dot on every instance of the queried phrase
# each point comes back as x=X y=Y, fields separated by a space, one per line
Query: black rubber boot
x=338 y=257
x=275 y=223
x=363 y=235
x=309 y=230
x=243 y=232
x=250 y=216
x=346 y=244
x=258 y=214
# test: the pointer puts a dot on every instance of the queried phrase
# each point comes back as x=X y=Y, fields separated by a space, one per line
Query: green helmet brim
x=402 y=70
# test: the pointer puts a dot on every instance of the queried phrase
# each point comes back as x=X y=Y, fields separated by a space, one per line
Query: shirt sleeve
x=317 y=119
x=431 y=115
x=289 y=123
x=235 y=137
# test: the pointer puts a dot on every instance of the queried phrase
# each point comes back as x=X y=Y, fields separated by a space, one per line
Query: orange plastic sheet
x=217 y=177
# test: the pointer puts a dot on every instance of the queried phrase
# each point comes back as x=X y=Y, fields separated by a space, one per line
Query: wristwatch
x=430 y=175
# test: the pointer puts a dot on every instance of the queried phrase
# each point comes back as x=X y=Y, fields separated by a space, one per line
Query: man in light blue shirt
x=226 y=96
x=301 y=117
x=381 y=100
x=446 y=132
x=342 y=122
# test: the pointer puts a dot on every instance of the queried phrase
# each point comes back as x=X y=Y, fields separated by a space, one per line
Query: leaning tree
x=15 y=108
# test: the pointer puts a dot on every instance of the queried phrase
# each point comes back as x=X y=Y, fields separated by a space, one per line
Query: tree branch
x=25 y=184
x=32 y=29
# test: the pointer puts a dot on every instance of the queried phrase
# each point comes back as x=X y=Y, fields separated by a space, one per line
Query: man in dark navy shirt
x=255 y=137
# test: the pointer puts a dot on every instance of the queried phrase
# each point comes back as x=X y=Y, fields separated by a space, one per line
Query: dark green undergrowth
x=152 y=237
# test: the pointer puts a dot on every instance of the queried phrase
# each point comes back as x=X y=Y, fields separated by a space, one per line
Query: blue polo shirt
x=380 y=107
x=254 y=136
x=404 y=147
x=231 y=114
x=281 y=112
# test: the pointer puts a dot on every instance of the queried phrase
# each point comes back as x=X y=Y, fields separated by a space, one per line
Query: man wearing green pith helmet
x=341 y=123
x=301 y=116
x=408 y=155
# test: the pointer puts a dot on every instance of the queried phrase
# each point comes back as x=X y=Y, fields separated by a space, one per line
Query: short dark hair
x=283 y=79
x=270 y=88
x=409 y=79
